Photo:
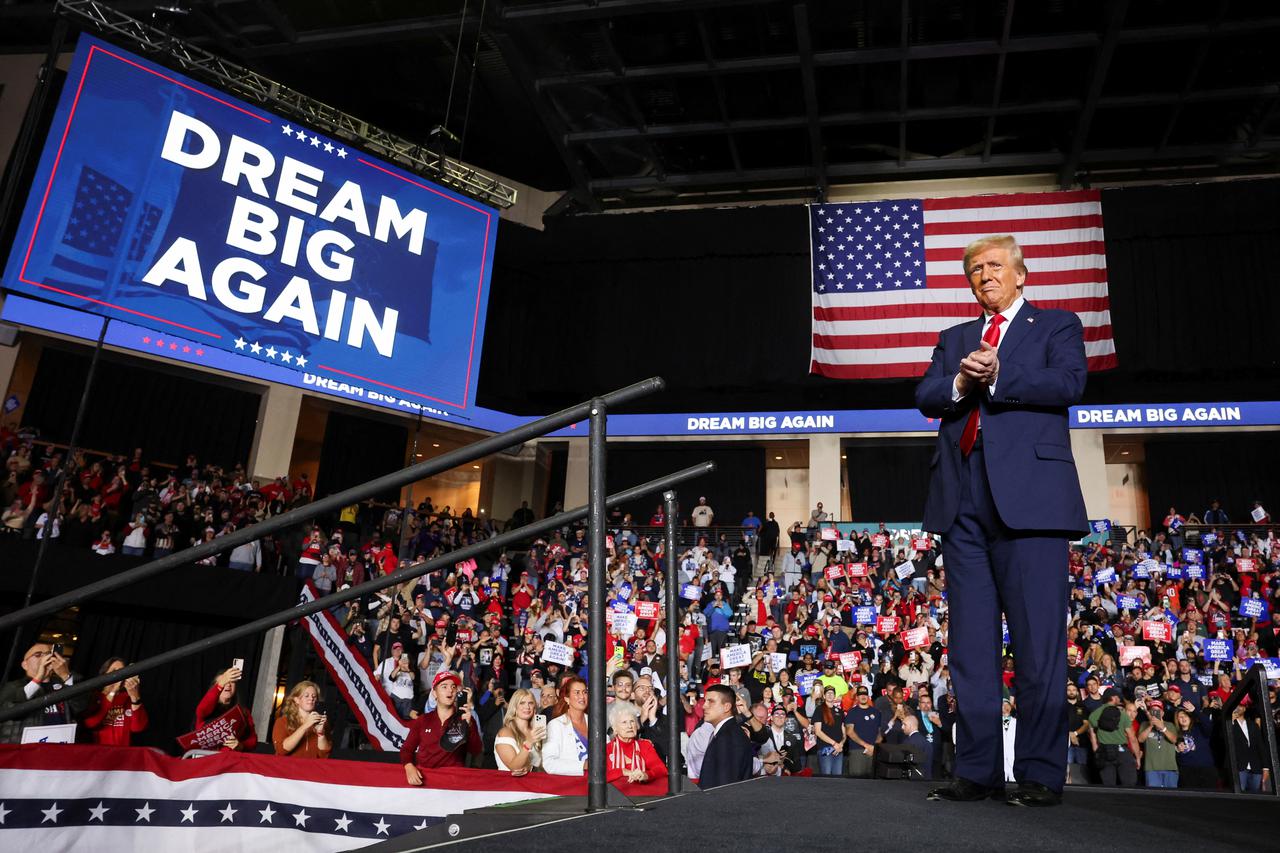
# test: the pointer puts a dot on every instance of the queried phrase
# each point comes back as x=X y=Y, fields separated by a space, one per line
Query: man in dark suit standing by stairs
x=729 y=753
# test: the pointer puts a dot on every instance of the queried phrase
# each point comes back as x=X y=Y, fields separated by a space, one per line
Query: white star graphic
x=287 y=130
x=228 y=814
x=189 y=814
x=821 y=229
x=271 y=352
x=328 y=147
x=301 y=818
x=100 y=813
x=840 y=285
x=51 y=813
x=422 y=825
x=315 y=143
x=239 y=342
x=267 y=814
x=342 y=153
x=302 y=134
x=255 y=348
x=302 y=362
x=286 y=357
x=879 y=285
x=343 y=822
x=144 y=813
x=860 y=285
x=382 y=826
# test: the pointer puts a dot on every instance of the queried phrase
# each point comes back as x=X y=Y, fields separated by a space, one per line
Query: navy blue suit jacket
x=728 y=757
x=1025 y=435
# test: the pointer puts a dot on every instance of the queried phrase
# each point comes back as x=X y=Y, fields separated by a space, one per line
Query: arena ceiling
x=639 y=103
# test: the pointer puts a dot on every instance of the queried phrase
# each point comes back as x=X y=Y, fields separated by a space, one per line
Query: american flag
x=887 y=275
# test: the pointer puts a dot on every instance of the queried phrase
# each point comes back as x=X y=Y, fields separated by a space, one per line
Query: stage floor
x=829 y=814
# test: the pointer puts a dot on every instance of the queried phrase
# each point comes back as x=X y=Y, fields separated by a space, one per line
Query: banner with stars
x=166 y=203
x=887 y=276
x=74 y=797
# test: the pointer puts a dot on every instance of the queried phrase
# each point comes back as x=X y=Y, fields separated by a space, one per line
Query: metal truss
x=254 y=87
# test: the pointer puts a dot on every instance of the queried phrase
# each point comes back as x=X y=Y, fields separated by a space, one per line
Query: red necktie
x=970 y=434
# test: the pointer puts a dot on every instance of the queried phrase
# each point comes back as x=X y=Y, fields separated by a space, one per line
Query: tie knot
x=997 y=319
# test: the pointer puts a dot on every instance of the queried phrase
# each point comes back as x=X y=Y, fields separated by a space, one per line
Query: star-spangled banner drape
x=887 y=276
x=56 y=797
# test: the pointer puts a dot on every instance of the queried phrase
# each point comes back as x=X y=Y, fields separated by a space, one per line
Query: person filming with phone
x=518 y=746
x=444 y=735
x=302 y=729
x=45 y=671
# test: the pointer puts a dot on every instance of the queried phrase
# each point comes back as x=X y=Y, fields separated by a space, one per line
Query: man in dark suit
x=728 y=757
x=1005 y=497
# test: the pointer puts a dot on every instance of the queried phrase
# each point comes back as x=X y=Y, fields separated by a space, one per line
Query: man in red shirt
x=441 y=737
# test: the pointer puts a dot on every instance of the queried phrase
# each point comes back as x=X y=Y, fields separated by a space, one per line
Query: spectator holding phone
x=221 y=697
x=45 y=671
x=116 y=713
x=444 y=735
x=301 y=730
x=518 y=746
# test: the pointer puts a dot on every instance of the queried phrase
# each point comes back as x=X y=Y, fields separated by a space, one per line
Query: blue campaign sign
x=804 y=682
x=1142 y=571
x=1107 y=575
x=1101 y=525
x=1272 y=666
x=1192 y=555
x=1173 y=571
x=809 y=649
x=1194 y=572
x=1175 y=415
x=864 y=615
x=1208 y=538
x=170 y=204
x=1219 y=649
x=11 y=403
x=691 y=592
x=1129 y=602
x=1255 y=608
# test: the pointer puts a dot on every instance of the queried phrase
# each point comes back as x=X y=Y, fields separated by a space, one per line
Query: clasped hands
x=979 y=368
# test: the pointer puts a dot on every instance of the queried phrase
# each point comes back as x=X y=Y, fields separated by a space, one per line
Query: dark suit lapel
x=1018 y=330
x=970 y=335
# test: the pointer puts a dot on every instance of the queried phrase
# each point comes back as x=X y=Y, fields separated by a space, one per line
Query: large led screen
x=175 y=206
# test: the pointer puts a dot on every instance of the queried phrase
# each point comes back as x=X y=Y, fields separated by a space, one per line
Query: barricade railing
x=595 y=511
x=1255 y=681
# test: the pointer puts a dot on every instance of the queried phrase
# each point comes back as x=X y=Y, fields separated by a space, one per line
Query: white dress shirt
x=1008 y=314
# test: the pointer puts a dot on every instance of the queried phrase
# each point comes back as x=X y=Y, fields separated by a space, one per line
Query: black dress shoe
x=964 y=791
x=1034 y=794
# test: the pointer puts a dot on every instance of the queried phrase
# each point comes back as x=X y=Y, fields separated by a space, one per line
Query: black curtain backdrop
x=358 y=448
x=1189 y=471
x=131 y=405
x=717 y=302
x=555 y=479
x=888 y=480
x=737 y=484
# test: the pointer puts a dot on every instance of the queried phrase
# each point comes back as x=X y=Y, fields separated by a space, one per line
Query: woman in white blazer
x=565 y=750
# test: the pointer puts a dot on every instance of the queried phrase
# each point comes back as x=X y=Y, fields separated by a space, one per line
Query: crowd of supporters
x=833 y=642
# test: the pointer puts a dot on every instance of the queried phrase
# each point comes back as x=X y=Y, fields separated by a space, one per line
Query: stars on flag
x=270 y=352
x=145 y=812
x=881 y=248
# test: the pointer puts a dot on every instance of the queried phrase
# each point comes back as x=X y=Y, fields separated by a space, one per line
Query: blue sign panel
x=1219 y=649
x=174 y=206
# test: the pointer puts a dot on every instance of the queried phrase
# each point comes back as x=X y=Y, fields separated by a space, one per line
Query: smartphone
x=539 y=720
x=321 y=708
x=57 y=649
x=238 y=663
x=464 y=697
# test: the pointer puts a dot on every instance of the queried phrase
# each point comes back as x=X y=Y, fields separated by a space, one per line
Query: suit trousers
x=991 y=568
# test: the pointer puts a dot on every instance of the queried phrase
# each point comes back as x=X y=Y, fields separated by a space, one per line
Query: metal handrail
x=332 y=503
x=1255 y=677
x=350 y=594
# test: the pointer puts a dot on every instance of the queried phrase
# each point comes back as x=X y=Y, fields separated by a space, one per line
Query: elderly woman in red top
x=118 y=713
x=630 y=758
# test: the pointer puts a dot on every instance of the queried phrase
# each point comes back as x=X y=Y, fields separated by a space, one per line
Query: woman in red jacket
x=631 y=758
x=220 y=699
x=118 y=714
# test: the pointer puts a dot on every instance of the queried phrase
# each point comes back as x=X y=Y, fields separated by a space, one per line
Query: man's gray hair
x=995 y=241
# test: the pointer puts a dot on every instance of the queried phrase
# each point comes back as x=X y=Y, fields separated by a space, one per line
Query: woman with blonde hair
x=518 y=746
x=301 y=731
